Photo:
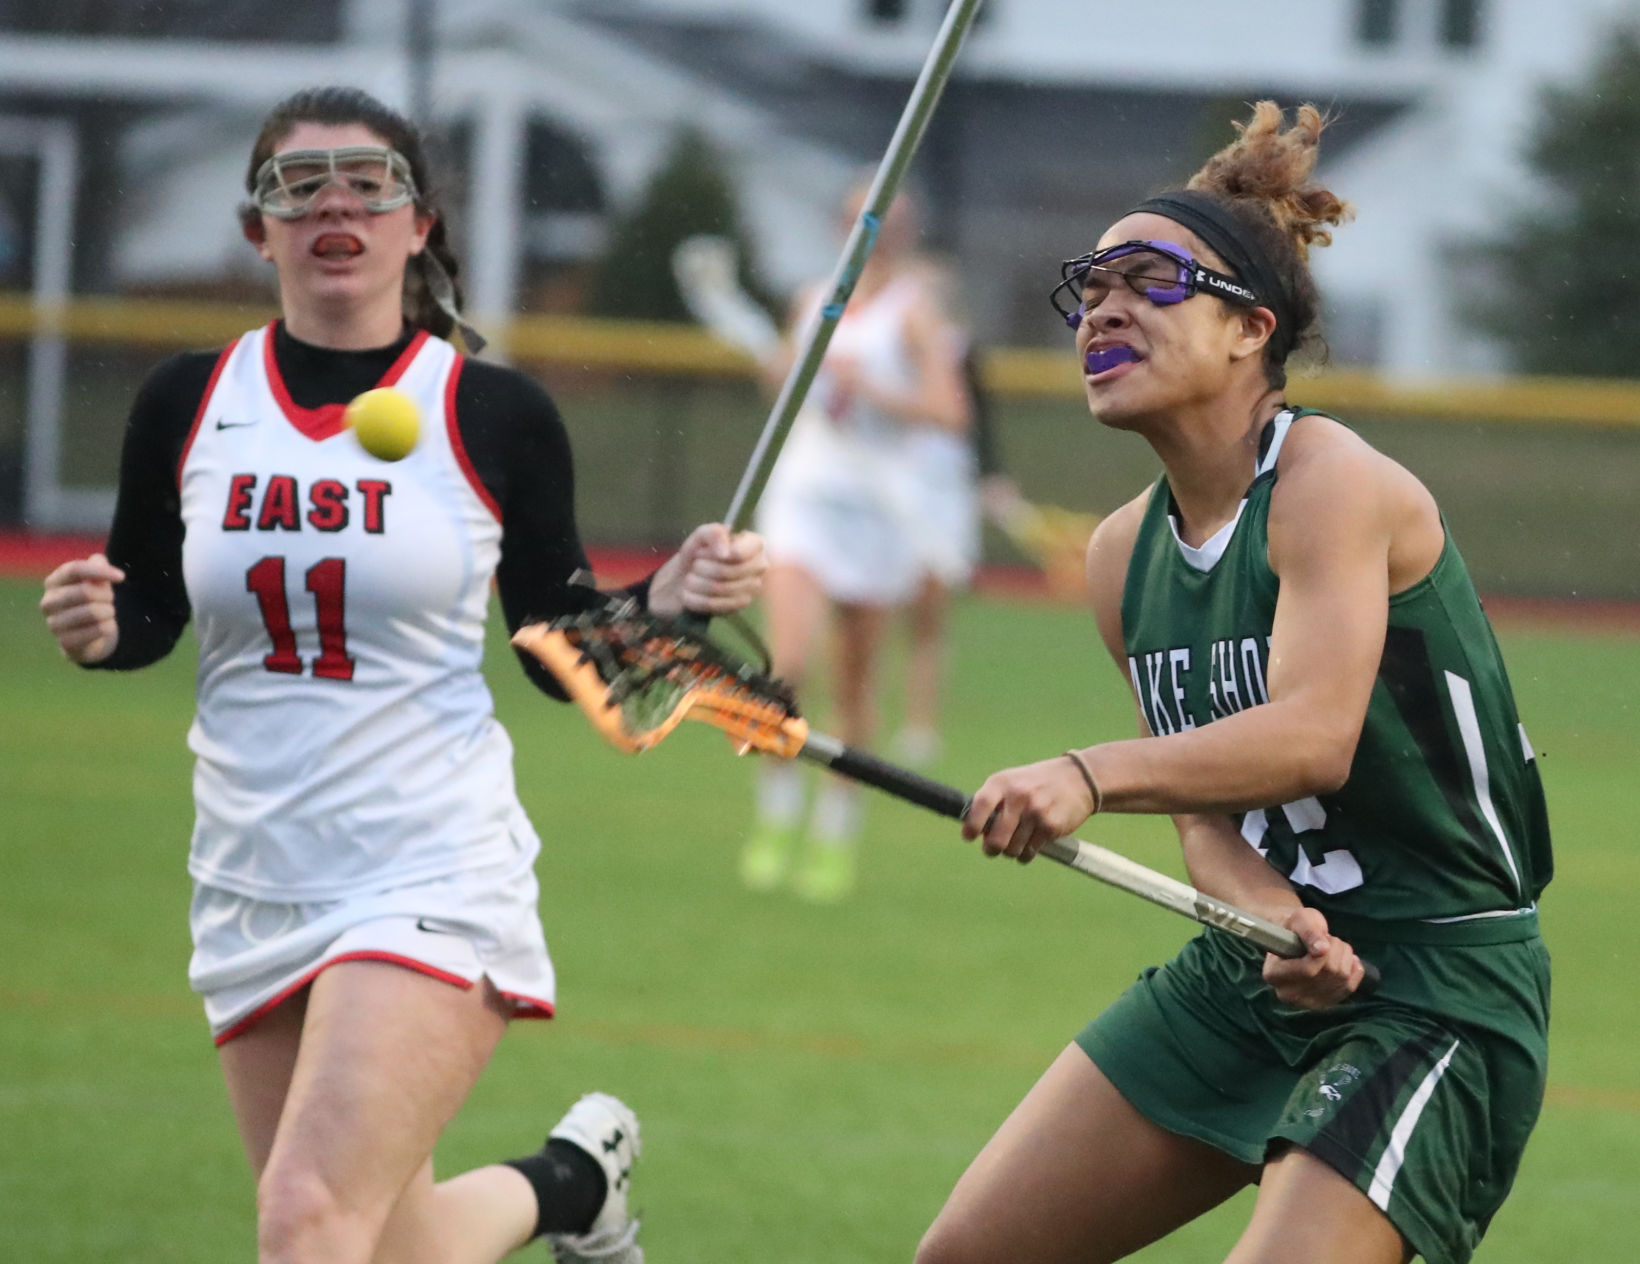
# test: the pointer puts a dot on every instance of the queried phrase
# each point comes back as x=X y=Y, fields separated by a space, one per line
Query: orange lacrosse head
x=638 y=676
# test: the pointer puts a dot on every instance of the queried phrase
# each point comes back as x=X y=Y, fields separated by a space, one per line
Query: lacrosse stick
x=1055 y=539
x=638 y=675
x=908 y=134
x=705 y=269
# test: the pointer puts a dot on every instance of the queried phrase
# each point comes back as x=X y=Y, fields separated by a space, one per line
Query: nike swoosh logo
x=232 y=425
x=421 y=924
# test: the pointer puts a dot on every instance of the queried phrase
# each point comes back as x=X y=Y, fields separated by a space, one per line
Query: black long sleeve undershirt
x=511 y=430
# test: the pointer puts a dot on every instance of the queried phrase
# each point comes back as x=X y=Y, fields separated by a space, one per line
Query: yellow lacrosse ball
x=386 y=423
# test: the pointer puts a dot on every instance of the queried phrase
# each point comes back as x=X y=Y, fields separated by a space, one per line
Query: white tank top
x=345 y=739
x=874 y=336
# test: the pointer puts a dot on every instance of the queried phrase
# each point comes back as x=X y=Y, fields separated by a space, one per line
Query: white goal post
x=47 y=504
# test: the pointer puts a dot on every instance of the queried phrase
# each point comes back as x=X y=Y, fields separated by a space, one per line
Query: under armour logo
x=614 y=1142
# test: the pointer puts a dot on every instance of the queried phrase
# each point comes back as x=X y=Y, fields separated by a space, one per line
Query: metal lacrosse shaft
x=907 y=136
x=1118 y=871
x=1109 y=867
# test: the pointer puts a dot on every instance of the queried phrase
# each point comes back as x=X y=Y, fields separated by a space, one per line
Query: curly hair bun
x=1272 y=164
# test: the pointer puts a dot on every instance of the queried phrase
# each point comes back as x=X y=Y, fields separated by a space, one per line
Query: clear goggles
x=1160 y=271
x=289 y=183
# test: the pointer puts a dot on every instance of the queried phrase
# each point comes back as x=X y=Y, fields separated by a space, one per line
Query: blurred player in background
x=949 y=474
x=1331 y=727
x=849 y=521
x=943 y=472
x=364 y=913
x=959 y=483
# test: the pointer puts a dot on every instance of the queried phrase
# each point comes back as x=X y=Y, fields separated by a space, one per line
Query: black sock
x=569 y=1186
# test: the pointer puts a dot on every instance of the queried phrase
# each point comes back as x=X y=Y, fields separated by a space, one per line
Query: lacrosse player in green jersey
x=1328 y=721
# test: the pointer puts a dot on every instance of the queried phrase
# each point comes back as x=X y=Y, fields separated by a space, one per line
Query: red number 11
x=327 y=581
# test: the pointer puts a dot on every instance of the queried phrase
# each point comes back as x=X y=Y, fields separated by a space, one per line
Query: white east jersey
x=345 y=740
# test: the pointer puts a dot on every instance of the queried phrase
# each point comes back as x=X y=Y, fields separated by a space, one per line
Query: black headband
x=1230 y=240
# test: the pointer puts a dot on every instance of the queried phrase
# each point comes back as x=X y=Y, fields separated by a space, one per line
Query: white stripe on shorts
x=1395 y=1153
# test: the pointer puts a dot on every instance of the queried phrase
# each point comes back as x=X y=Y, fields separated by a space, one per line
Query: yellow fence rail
x=685 y=350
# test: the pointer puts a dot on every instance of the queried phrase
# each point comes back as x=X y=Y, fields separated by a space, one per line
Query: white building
x=1435 y=98
x=1064 y=112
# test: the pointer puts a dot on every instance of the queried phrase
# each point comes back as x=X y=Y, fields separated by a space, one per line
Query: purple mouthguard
x=1102 y=358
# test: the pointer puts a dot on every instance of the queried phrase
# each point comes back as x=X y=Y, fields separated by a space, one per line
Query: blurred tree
x=690 y=193
x=1215 y=128
x=1559 y=285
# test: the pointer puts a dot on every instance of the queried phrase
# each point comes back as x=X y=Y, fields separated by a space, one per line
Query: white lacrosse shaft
x=1086 y=858
x=1126 y=875
x=704 y=267
x=901 y=148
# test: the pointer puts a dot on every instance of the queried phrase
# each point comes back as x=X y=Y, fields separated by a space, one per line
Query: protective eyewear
x=288 y=184
x=1162 y=272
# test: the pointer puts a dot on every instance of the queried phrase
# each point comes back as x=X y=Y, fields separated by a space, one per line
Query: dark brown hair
x=1264 y=179
x=338 y=106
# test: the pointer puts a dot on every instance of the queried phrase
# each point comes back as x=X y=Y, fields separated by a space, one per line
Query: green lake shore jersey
x=1429 y=860
x=1440 y=834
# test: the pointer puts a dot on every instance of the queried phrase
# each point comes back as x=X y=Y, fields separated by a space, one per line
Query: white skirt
x=843 y=509
x=943 y=476
x=250 y=955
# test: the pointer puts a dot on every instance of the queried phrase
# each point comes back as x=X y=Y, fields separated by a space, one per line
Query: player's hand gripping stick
x=637 y=676
x=1097 y=862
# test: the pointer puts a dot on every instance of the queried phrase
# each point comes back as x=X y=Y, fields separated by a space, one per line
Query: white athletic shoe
x=605 y=1128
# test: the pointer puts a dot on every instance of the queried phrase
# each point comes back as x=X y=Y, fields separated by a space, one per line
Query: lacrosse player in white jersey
x=364 y=915
x=847 y=525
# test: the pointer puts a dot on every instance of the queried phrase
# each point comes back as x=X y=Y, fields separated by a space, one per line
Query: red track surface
x=28 y=556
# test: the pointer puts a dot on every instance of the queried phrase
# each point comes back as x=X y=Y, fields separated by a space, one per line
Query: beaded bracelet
x=1093 y=786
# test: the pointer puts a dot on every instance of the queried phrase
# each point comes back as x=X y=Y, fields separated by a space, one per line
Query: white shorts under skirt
x=842 y=510
x=945 y=531
x=249 y=954
x=857 y=551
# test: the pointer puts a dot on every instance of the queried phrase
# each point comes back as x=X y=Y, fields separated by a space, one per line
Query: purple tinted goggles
x=1162 y=272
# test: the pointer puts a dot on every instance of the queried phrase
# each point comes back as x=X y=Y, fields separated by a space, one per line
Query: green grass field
x=811 y=1080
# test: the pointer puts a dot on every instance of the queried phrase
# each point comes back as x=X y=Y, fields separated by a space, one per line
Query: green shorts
x=1422 y=1095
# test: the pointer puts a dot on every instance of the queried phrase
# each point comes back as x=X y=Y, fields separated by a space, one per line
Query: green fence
x=662 y=422
x=1537 y=510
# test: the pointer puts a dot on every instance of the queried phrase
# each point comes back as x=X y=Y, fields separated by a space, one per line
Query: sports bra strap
x=1275 y=434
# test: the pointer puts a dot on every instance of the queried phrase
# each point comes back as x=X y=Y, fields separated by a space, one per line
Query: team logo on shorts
x=1331 y=1086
